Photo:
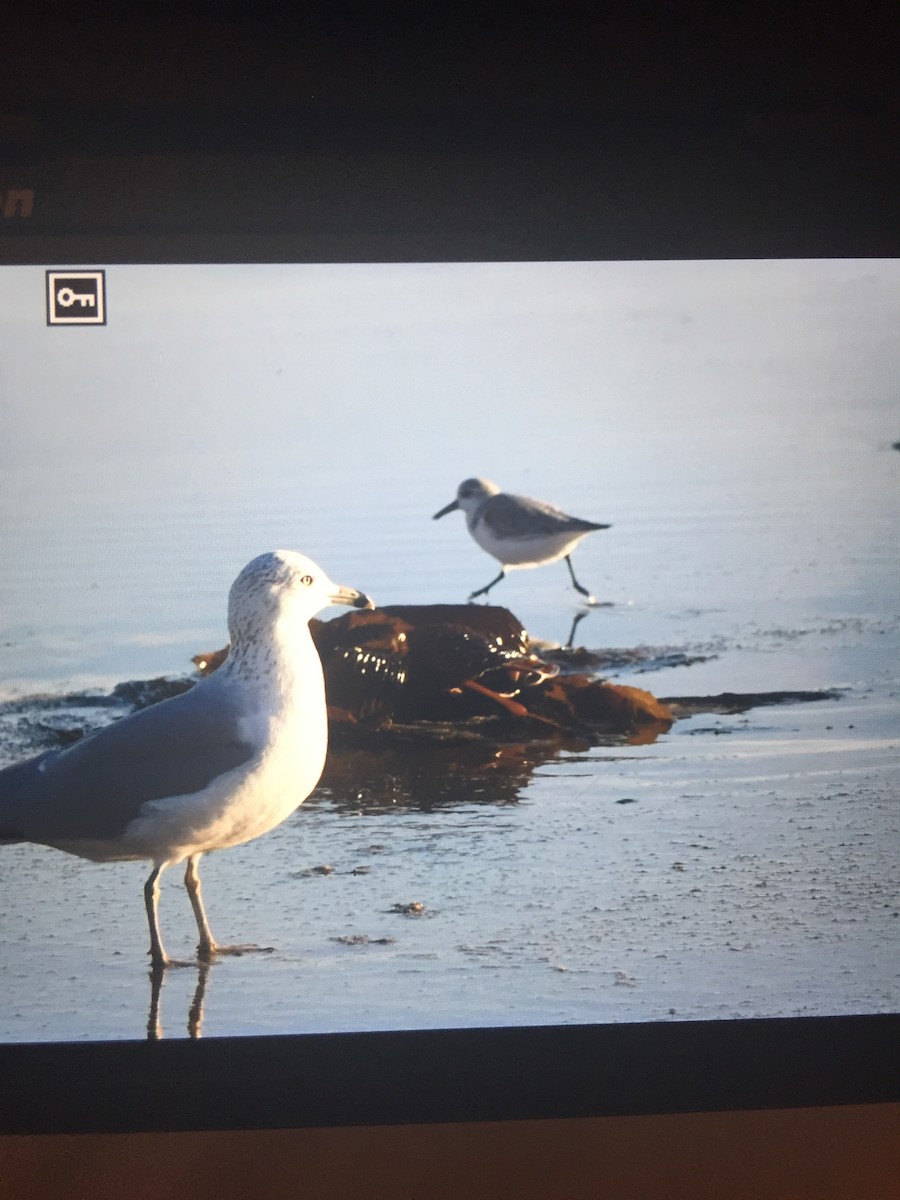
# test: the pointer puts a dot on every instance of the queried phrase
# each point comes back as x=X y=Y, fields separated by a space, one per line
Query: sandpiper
x=517 y=531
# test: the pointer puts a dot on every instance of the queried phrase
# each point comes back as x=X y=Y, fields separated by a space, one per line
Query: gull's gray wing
x=520 y=517
x=94 y=789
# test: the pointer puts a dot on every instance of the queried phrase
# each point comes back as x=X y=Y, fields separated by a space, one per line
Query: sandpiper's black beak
x=451 y=507
x=351 y=597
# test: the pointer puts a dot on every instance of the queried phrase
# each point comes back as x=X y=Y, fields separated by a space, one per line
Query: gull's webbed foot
x=211 y=953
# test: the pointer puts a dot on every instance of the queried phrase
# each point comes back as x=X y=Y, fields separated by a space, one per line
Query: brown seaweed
x=459 y=673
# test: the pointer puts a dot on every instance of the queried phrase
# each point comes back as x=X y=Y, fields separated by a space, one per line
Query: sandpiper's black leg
x=578 y=587
x=484 y=591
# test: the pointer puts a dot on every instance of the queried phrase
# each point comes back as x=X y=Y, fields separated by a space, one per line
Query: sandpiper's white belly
x=525 y=551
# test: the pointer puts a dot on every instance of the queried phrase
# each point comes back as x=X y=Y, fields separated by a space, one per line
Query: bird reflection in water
x=576 y=621
x=195 y=1012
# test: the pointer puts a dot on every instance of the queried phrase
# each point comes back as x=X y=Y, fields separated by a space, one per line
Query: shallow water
x=733 y=421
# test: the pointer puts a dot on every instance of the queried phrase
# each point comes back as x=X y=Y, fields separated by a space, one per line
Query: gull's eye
x=306 y=580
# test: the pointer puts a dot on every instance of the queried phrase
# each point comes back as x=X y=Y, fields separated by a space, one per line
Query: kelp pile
x=454 y=672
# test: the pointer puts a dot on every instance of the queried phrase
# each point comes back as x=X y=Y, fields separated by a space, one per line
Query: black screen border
x=428 y=1076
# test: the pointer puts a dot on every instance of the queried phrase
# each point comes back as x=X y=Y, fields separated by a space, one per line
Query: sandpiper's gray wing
x=520 y=517
x=94 y=789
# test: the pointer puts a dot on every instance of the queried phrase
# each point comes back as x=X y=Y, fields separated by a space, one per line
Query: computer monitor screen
x=671 y=799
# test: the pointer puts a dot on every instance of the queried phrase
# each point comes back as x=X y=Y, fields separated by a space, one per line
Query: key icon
x=76 y=297
x=65 y=297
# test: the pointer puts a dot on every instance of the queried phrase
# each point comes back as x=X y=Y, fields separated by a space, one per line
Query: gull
x=517 y=531
x=214 y=767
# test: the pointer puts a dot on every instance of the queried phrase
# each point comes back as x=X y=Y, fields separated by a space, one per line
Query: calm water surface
x=733 y=421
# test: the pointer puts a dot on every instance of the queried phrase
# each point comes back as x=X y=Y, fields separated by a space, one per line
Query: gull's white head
x=282 y=584
x=470 y=496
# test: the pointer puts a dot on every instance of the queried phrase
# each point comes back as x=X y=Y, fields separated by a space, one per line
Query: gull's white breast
x=287 y=720
x=236 y=807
